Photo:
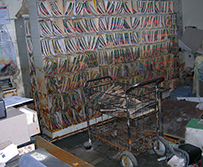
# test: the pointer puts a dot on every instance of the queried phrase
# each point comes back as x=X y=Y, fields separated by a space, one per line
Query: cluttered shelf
x=70 y=54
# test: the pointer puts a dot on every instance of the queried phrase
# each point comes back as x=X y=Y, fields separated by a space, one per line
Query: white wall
x=193 y=13
x=13 y=8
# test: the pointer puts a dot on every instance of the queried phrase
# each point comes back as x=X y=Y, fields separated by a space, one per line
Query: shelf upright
x=24 y=56
x=42 y=90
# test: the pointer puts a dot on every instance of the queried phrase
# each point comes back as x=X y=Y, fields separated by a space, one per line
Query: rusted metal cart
x=134 y=116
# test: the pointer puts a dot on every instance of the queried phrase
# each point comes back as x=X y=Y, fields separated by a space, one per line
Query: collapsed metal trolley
x=133 y=116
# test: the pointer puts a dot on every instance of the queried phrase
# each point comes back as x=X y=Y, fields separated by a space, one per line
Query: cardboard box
x=14 y=127
x=19 y=126
x=7 y=151
x=27 y=147
x=194 y=133
x=32 y=120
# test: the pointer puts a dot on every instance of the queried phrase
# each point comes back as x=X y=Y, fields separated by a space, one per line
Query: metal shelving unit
x=44 y=98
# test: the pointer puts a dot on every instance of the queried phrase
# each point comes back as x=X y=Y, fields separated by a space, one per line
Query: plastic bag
x=7 y=54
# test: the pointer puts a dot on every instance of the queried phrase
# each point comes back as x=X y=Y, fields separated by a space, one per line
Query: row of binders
x=64 y=118
x=69 y=45
x=72 y=115
x=58 y=27
x=121 y=70
x=166 y=73
x=138 y=67
x=155 y=49
x=64 y=83
x=65 y=100
x=173 y=30
x=151 y=36
x=47 y=8
x=53 y=47
x=126 y=82
x=124 y=55
x=120 y=55
x=78 y=62
x=65 y=109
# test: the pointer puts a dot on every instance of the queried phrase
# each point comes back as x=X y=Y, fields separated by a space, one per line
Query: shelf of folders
x=131 y=41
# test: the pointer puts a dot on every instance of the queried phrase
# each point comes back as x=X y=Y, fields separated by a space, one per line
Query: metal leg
x=88 y=123
x=159 y=113
x=128 y=123
x=88 y=144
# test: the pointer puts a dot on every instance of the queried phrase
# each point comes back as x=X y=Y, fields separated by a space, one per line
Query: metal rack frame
x=129 y=127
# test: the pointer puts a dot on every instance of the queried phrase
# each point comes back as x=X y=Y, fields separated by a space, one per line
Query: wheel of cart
x=127 y=159
x=159 y=147
x=135 y=116
x=88 y=145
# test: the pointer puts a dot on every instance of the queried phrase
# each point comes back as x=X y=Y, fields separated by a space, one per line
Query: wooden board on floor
x=60 y=153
